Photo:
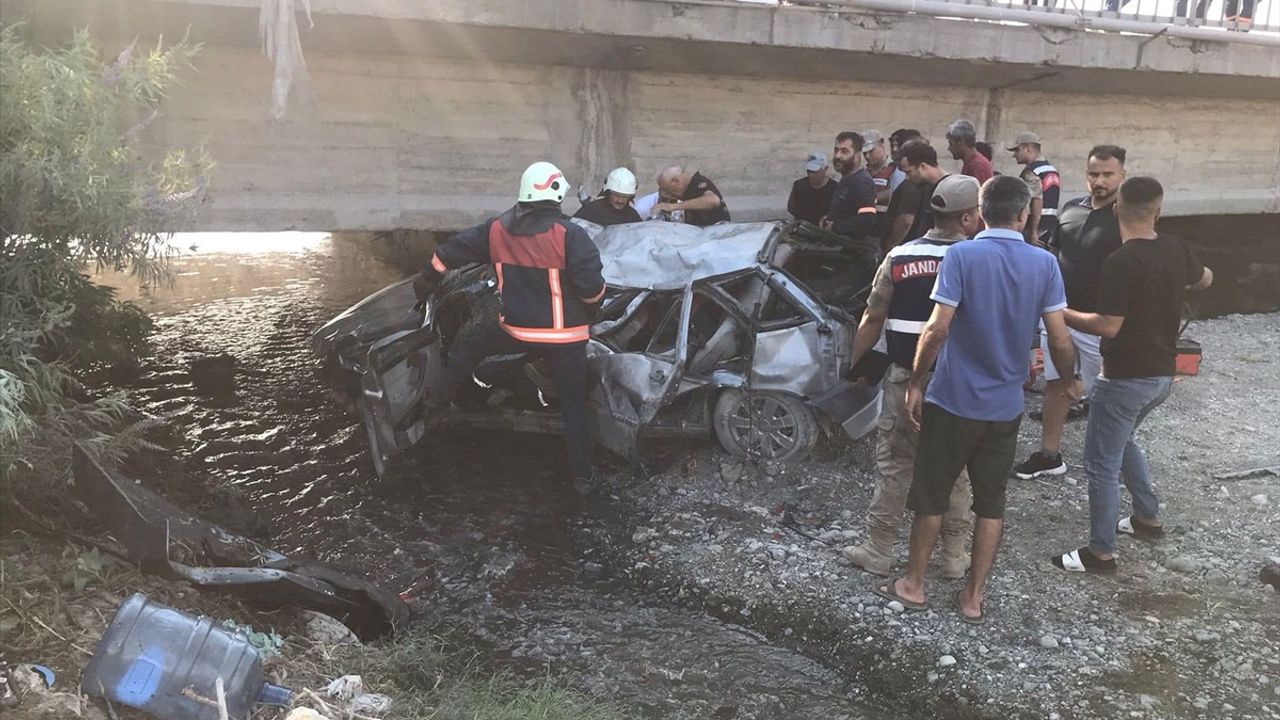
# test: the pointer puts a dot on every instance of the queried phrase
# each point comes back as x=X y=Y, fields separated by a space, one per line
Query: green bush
x=76 y=194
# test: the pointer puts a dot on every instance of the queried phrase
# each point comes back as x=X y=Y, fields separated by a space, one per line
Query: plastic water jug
x=166 y=662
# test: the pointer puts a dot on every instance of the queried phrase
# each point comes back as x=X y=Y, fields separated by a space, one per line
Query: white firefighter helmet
x=621 y=181
x=543 y=181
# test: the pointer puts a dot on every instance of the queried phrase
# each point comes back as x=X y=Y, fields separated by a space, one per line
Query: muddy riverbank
x=684 y=590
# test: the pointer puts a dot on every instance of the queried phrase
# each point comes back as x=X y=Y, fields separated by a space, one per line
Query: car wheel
x=766 y=425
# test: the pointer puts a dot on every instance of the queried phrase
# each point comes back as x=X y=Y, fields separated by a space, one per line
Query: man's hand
x=666 y=207
x=915 y=405
x=824 y=223
x=1073 y=390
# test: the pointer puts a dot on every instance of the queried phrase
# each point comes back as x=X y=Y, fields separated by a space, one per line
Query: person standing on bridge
x=613 y=206
x=990 y=292
x=898 y=307
x=695 y=195
x=962 y=141
x=1137 y=315
x=1087 y=234
x=1045 y=184
x=853 y=207
x=549 y=276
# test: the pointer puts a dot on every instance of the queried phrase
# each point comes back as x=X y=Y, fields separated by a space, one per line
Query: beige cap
x=870 y=138
x=955 y=193
x=1023 y=139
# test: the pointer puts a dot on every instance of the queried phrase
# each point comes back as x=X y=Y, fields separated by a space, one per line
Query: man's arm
x=584 y=266
x=1031 y=231
x=873 y=318
x=1107 y=326
x=862 y=215
x=898 y=229
x=791 y=202
x=707 y=201
x=931 y=340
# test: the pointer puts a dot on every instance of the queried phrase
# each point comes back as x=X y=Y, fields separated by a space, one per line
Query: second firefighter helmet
x=621 y=181
x=543 y=181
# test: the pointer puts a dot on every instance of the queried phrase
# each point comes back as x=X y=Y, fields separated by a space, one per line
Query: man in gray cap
x=1045 y=185
x=811 y=195
x=899 y=305
x=887 y=177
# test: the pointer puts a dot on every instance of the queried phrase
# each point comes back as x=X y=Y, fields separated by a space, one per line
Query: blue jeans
x=1116 y=409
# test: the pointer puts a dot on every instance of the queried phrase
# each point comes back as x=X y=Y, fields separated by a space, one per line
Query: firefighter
x=549 y=277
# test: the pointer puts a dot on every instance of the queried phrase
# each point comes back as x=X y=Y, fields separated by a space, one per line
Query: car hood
x=665 y=256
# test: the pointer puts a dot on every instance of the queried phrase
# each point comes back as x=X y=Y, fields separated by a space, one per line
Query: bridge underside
x=424 y=115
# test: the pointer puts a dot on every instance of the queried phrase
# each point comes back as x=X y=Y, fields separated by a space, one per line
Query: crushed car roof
x=664 y=255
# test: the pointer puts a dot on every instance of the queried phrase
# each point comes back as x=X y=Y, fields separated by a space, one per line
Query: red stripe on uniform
x=542 y=250
x=865 y=210
x=438 y=264
x=1049 y=180
x=597 y=297
x=557 y=299
x=563 y=336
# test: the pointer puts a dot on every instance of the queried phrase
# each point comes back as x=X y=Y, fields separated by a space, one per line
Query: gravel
x=1184 y=629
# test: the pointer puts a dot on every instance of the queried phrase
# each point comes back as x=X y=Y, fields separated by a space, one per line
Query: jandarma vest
x=913 y=269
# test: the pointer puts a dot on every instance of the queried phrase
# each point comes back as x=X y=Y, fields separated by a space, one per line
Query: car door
x=630 y=387
x=393 y=388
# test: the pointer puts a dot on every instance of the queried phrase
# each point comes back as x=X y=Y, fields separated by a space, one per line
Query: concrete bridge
x=422 y=113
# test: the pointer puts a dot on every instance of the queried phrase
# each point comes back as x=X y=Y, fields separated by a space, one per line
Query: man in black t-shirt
x=1138 y=312
x=920 y=163
x=811 y=195
x=853 y=207
x=697 y=197
x=1087 y=233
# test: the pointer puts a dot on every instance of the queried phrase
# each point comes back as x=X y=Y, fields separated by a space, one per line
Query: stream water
x=476 y=528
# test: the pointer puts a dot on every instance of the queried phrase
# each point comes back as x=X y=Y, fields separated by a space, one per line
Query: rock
x=946 y=661
x=1049 y=642
x=897 y=607
x=327 y=630
x=1215 y=576
x=777 y=552
x=1147 y=701
x=1258 y=499
x=643 y=535
x=1183 y=564
x=1204 y=636
x=830 y=536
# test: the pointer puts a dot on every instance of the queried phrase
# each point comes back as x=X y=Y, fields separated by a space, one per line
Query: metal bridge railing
x=1254 y=22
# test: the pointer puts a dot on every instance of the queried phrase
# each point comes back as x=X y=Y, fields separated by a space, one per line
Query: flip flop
x=888 y=592
x=982 y=618
x=1083 y=561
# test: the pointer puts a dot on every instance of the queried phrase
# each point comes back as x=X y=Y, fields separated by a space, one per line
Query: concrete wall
x=426 y=111
x=402 y=142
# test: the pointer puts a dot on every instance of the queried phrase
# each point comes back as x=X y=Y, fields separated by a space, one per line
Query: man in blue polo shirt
x=990 y=295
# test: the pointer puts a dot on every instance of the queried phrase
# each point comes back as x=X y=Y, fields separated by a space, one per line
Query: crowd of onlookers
x=976 y=268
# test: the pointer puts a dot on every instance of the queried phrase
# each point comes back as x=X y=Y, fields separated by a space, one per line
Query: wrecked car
x=741 y=331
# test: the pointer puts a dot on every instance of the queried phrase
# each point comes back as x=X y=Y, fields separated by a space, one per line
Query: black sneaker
x=1040 y=464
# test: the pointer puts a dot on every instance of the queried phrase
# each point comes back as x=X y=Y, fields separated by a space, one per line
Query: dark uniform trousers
x=568 y=367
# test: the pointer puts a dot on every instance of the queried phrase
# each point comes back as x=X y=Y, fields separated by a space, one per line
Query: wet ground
x=477 y=529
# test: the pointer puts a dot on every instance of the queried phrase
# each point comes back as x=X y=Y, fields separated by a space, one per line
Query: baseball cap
x=870 y=138
x=815 y=162
x=955 y=193
x=1022 y=139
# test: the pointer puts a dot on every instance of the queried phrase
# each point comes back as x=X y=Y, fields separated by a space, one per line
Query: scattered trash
x=345 y=687
x=144 y=523
x=324 y=629
x=305 y=713
x=1246 y=474
x=159 y=660
x=31 y=693
x=46 y=673
x=268 y=644
x=370 y=704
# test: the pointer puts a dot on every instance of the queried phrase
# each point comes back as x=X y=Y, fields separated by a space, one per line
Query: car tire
x=771 y=426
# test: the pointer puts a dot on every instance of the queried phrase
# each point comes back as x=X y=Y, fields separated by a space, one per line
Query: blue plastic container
x=166 y=662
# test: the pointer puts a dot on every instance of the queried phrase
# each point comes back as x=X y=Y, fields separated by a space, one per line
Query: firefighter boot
x=876 y=554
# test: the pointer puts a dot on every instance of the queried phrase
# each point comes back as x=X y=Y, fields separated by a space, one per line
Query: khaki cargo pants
x=896 y=444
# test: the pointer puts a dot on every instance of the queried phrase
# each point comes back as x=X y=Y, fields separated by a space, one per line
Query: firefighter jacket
x=548 y=271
